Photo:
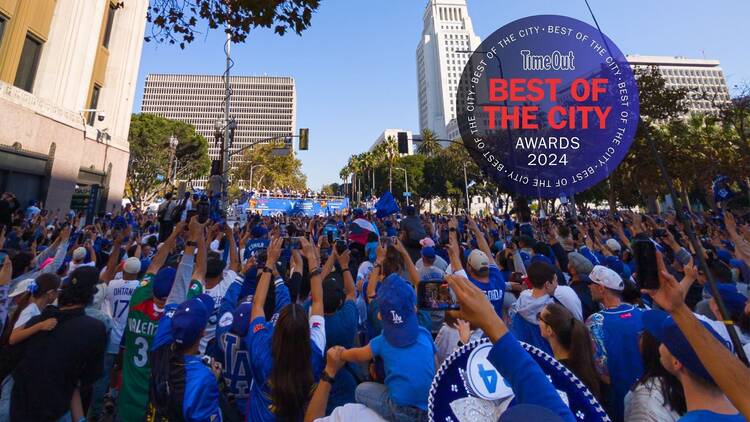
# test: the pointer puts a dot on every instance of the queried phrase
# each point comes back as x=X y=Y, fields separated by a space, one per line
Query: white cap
x=478 y=260
x=132 y=265
x=21 y=287
x=79 y=253
x=603 y=276
x=613 y=245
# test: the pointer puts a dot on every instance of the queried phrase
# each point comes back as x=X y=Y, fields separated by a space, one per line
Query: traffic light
x=303 y=138
x=403 y=143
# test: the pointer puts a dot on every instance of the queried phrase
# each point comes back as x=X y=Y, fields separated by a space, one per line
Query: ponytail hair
x=575 y=338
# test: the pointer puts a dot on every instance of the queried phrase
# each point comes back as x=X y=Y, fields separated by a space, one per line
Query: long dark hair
x=393 y=262
x=671 y=389
x=575 y=338
x=291 y=378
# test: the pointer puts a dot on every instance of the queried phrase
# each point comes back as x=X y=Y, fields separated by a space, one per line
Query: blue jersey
x=233 y=356
x=254 y=245
x=494 y=288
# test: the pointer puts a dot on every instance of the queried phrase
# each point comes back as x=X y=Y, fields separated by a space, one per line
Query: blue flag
x=722 y=191
x=386 y=205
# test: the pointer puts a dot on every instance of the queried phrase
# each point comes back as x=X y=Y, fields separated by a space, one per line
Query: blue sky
x=355 y=68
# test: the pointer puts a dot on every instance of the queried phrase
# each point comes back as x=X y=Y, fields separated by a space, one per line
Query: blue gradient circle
x=581 y=76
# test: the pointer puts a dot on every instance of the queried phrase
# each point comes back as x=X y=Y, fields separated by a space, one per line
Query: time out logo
x=547 y=105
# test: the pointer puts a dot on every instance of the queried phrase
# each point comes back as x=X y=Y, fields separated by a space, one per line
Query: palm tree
x=387 y=152
x=430 y=145
x=370 y=162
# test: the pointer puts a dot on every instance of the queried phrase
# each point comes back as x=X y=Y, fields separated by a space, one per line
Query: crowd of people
x=173 y=316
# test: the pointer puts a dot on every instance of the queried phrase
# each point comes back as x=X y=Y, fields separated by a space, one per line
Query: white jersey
x=118 y=296
x=217 y=293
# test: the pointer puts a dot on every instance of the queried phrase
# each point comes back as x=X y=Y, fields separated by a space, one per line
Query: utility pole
x=226 y=142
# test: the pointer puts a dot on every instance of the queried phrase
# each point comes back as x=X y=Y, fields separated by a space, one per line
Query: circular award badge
x=547 y=105
x=468 y=388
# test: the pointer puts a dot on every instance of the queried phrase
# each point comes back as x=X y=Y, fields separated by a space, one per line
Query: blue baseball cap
x=190 y=318
x=724 y=255
x=241 y=319
x=663 y=327
x=428 y=252
x=358 y=212
x=733 y=300
x=396 y=301
x=163 y=281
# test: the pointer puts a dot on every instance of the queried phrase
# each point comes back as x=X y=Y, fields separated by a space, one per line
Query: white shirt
x=30 y=311
x=570 y=300
x=118 y=296
x=352 y=412
x=72 y=266
x=217 y=294
x=318 y=332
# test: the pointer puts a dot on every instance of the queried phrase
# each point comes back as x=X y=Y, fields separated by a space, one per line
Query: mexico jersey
x=142 y=322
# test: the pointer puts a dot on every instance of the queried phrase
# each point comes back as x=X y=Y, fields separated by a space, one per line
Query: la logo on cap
x=396 y=318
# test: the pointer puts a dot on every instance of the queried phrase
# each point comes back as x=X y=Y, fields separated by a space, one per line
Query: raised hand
x=274 y=250
x=669 y=295
x=6 y=271
x=476 y=308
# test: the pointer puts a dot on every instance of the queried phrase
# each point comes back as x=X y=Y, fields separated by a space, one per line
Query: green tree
x=176 y=21
x=429 y=145
x=271 y=171
x=150 y=155
x=386 y=153
x=333 y=189
x=636 y=179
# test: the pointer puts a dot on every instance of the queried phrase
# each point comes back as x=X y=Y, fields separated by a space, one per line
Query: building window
x=26 y=73
x=2 y=27
x=108 y=28
x=91 y=117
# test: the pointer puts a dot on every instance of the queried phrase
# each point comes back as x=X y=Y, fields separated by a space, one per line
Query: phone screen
x=647 y=272
x=436 y=295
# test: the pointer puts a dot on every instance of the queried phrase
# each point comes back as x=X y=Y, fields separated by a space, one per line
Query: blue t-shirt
x=341 y=328
x=408 y=370
x=709 y=416
x=258 y=342
x=494 y=288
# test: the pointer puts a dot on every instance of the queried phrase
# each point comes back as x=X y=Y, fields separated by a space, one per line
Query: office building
x=263 y=107
x=393 y=134
x=703 y=78
x=57 y=59
x=447 y=39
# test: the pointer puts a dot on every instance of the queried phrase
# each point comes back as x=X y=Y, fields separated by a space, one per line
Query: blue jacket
x=530 y=385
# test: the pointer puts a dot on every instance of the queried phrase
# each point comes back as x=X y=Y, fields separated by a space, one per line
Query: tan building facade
x=60 y=59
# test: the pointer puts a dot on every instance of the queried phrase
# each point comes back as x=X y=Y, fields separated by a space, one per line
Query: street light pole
x=466 y=184
x=406 y=182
